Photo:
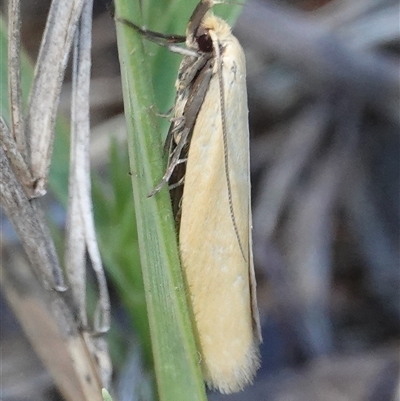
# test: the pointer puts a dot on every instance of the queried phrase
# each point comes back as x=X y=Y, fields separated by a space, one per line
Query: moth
x=208 y=172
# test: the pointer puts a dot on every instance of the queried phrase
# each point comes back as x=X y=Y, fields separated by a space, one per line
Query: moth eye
x=205 y=43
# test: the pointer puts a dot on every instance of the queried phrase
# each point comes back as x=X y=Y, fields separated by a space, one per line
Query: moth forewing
x=215 y=223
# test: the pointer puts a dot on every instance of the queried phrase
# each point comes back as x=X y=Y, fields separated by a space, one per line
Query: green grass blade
x=116 y=226
x=175 y=358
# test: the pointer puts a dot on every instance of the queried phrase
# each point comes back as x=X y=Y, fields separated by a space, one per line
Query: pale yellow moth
x=208 y=143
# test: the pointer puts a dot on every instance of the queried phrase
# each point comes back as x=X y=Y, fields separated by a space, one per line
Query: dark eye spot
x=205 y=43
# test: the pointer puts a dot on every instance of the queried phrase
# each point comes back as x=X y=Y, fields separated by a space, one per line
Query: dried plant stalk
x=49 y=307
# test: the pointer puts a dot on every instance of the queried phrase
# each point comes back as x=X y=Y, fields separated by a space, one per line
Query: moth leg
x=171 y=135
x=179 y=183
x=179 y=120
x=171 y=119
x=168 y=114
x=190 y=69
x=172 y=163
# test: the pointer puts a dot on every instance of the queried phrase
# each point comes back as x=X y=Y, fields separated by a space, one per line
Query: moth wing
x=216 y=256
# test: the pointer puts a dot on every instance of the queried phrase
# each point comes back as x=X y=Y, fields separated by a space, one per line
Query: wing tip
x=237 y=378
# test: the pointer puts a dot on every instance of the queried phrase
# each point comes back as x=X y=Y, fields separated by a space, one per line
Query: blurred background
x=323 y=90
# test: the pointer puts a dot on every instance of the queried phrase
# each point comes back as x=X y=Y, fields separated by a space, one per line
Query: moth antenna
x=225 y=140
x=156 y=37
x=235 y=3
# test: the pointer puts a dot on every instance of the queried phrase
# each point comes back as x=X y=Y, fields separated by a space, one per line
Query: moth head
x=200 y=39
